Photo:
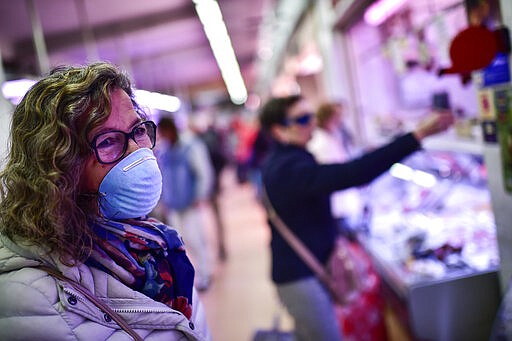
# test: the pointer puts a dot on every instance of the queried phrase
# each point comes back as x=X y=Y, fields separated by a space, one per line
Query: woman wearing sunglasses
x=79 y=257
x=299 y=190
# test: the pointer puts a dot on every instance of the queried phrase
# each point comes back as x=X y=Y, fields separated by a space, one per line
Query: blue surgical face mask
x=132 y=188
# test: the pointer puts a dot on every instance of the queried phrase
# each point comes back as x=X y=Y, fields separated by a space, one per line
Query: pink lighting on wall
x=381 y=10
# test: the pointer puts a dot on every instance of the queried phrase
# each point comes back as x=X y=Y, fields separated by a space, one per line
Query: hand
x=435 y=123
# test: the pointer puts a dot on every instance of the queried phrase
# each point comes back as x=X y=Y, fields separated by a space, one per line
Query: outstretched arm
x=435 y=123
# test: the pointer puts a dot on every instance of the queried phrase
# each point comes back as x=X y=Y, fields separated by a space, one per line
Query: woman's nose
x=132 y=146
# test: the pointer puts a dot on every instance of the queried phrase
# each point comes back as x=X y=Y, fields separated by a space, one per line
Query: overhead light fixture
x=379 y=11
x=14 y=91
x=210 y=15
x=155 y=100
x=310 y=63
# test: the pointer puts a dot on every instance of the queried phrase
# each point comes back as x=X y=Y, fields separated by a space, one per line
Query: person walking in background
x=299 y=189
x=214 y=142
x=332 y=142
x=187 y=177
x=259 y=150
x=245 y=131
x=79 y=182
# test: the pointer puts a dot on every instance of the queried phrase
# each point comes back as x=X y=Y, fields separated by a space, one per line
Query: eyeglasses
x=111 y=146
x=302 y=120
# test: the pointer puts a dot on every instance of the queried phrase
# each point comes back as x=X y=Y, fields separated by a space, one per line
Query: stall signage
x=497 y=72
x=502 y=99
x=487 y=114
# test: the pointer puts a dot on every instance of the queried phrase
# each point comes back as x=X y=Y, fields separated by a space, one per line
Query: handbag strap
x=295 y=243
x=97 y=302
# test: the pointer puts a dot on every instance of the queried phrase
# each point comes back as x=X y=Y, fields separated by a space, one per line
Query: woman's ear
x=279 y=132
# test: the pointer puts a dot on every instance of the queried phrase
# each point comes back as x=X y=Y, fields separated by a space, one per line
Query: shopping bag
x=348 y=271
x=362 y=317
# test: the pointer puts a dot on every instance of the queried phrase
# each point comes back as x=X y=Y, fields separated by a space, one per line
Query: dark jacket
x=299 y=189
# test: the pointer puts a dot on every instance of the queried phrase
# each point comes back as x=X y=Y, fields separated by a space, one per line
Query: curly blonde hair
x=41 y=201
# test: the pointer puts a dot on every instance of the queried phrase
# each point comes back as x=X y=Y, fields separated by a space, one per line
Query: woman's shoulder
x=18 y=264
x=30 y=293
x=25 y=285
x=33 y=293
x=25 y=290
x=25 y=275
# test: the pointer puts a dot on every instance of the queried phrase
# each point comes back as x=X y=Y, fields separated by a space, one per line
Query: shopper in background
x=299 y=189
x=187 y=177
x=244 y=129
x=259 y=150
x=79 y=182
x=331 y=142
x=214 y=142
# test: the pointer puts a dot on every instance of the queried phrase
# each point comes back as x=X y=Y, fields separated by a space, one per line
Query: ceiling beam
x=66 y=39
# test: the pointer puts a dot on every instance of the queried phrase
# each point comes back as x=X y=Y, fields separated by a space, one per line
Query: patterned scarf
x=147 y=256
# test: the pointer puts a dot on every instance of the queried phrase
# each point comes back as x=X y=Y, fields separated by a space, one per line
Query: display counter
x=502 y=327
x=459 y=306
x=432 y=239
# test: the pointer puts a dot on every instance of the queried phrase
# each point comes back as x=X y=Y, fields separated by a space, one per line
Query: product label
x=502 y=98
x=487 y=114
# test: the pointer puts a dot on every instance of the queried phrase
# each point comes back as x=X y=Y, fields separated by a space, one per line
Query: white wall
x=5 y=123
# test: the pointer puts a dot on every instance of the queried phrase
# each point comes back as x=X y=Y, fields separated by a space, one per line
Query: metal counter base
x=455 y=308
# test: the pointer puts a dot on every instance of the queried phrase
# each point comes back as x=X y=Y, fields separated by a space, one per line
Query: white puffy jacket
x=36 y=306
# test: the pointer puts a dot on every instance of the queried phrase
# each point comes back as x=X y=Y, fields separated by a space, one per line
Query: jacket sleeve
x=366 y=168
x=307 y=176
x=26 y=310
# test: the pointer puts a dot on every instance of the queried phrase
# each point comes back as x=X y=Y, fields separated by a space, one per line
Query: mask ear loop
x=101 y=196
x=102 y=204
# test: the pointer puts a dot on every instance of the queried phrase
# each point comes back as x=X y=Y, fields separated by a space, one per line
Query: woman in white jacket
x=331 y=143
x=79 y=182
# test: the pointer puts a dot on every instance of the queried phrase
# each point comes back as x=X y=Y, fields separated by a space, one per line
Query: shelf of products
x=432 y=238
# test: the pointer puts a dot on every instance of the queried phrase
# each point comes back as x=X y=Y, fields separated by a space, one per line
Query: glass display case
x=432 y=237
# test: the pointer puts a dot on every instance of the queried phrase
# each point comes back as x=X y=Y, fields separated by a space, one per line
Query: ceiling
x=161 y=43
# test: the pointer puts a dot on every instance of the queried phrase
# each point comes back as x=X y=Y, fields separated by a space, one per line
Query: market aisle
x=242 y=298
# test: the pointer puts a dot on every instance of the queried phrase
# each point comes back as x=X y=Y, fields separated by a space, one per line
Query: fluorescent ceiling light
x=15 y=90
x=310 y=64
x=210 y=15
x=155 y=100
x=379 y=11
